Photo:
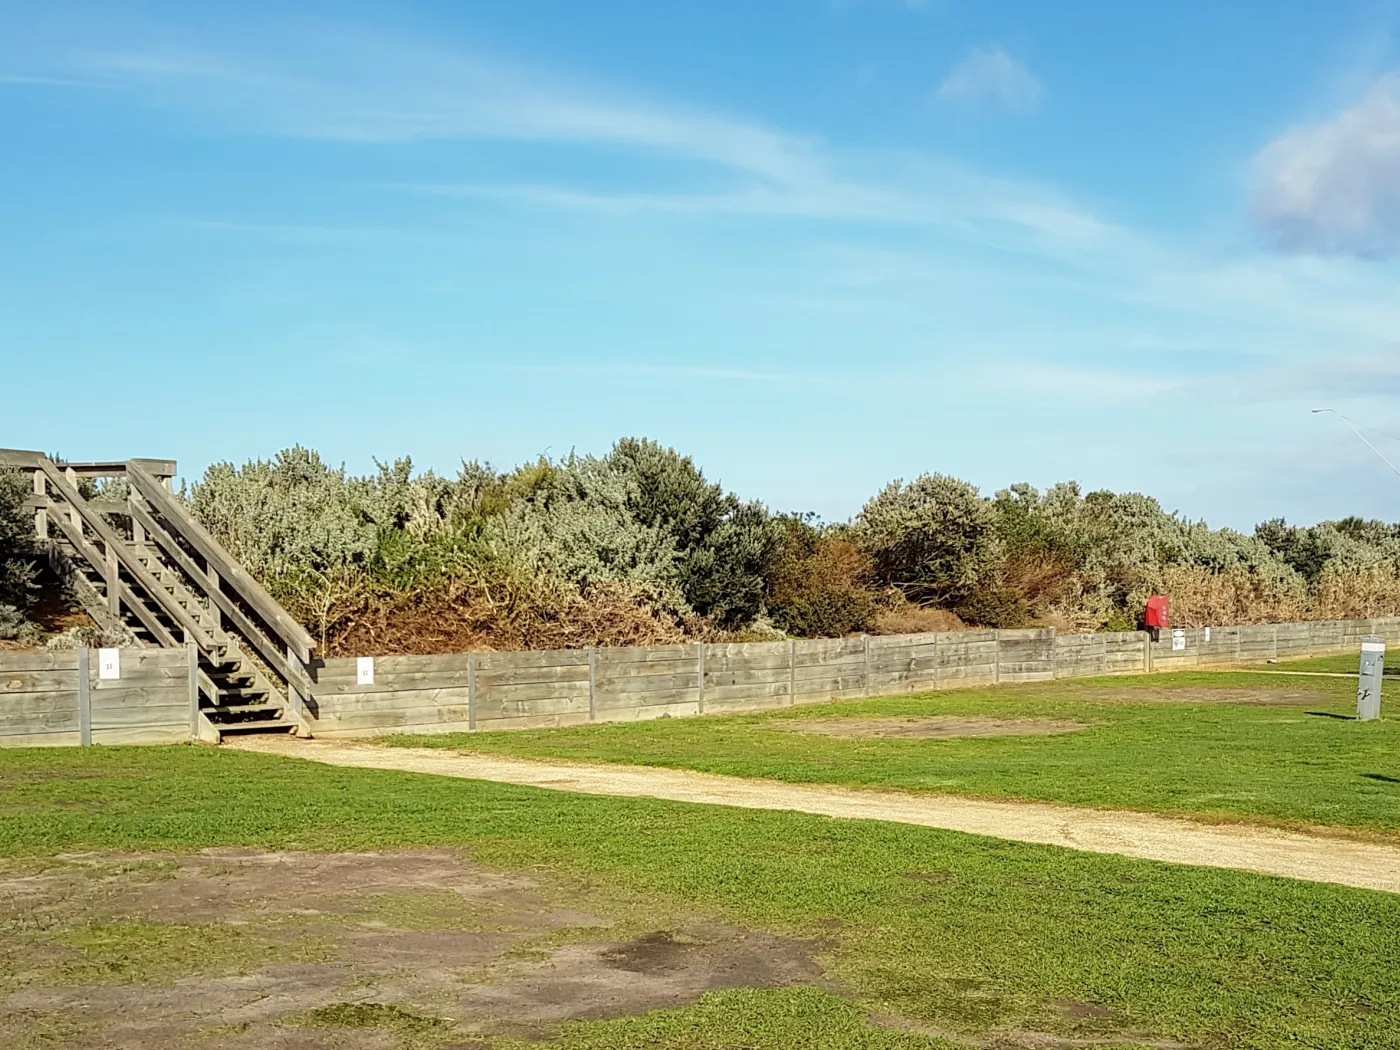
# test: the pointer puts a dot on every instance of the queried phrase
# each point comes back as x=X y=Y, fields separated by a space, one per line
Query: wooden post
x=114 y=589
x=700 y=669
x=937 y=675
x=471 y=690
x=1146 y=652
x=73 y=516
x=865 y=655
x=1275 y=633
x=792 y=671
x=84 y=696
x=41 y=513
x=192 y=656
x=996 y=667
x=294 y=696
x=592 y=683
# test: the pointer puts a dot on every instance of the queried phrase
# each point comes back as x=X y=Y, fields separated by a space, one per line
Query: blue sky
x=816 y=244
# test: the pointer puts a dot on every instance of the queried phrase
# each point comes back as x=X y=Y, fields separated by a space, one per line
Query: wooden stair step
x=255 y=727
x=243 y=709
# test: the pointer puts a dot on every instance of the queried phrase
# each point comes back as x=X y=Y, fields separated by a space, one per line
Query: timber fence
x=61 y=698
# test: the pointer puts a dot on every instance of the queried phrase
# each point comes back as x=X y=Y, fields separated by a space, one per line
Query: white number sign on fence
x=364 y=670
x=1178 y=639
x=109 y=663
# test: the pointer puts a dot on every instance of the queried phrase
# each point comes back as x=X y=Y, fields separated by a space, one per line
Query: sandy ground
x=241 y=949
x=1317 y=858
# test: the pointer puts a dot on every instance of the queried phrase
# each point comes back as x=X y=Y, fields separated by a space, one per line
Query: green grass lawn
x=946 y=932
x=1149 y=747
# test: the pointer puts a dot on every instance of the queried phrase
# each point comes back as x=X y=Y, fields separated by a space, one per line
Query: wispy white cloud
x=1335 y=186
x=338 y=83
x=988 y=76
x=646 y=371
x=24 y=80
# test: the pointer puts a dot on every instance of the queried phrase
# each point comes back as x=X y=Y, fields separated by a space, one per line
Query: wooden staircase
x=143 y=567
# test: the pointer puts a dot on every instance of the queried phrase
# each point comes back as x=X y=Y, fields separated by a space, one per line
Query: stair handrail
x=115 y=546
x=277 y=620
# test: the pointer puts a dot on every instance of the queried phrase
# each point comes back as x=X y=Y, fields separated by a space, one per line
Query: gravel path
x=1318 y=858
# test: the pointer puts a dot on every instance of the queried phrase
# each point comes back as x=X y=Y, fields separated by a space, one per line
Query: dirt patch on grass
x=926 y=727
x=252 y=950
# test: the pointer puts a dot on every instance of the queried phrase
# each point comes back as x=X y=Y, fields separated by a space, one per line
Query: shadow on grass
x=1384 y=778
x=1332 y=714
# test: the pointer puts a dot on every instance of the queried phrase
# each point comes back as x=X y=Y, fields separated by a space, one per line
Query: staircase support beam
x=286 y=630
x=80 y=508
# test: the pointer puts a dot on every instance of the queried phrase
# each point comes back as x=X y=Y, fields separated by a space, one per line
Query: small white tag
x=1206 y=637
x=109 y=663
x=364 y=670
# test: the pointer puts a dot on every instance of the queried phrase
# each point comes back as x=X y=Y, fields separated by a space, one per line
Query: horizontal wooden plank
x=726 y=693
x=388 y=701
x=21 y=683
x=753 y=662
x=397 y=718
x=132 y=717
x=15 y=722
x=533 y=721
x=37 y=660
x=170 y=734
x=42 y=739
x=549 y=706
x=552 y=658
x=722 y=678
x=138 y=697
x=531 y=691
x=649 y=712
x=38 y=703
x=649 y=683
x=646 y=654
x=612 y=701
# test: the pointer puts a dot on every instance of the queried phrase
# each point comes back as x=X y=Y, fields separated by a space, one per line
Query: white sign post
x=364 y=670
x=109 y=663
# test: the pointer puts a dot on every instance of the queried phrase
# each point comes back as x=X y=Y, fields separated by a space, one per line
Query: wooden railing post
x=471 y=690
x=112 y=575
x=296 y=670
x=792 y=671
x=592 y=683
x=700 y=671
x=41 y=512
x=84 y=696
x=192 y=655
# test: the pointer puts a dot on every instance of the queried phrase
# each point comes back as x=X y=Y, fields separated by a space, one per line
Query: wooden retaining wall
x=60 y=698
x=42 y=701
x=1232 y=646
x=487 y=691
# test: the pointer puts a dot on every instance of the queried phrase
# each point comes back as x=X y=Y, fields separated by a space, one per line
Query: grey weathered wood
x=26 y=459
x=114 y=596
x=592 y=683
x=143 y=576
x=252 y=593
x=700 y=675
x=471 y=690
x=192 y=688
x=41 y=512
x=84 y=697
x=792 y=672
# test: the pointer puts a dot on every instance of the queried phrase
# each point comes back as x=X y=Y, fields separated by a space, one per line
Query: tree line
x=638 y=547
